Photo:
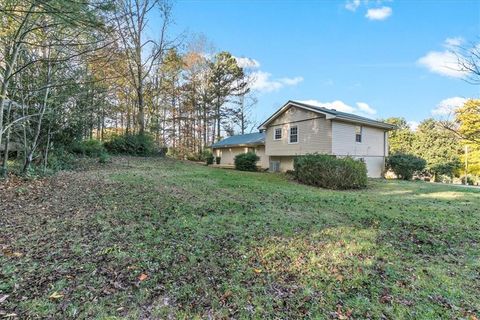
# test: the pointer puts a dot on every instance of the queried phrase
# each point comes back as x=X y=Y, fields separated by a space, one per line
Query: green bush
x=246 y=161
x=205 y=154
x=89 y=148
x=327 y=171
x=209 y=159
x=132 y=144
x=194 y=157
x=60 y=159
x=103 y=158
x=405 y=165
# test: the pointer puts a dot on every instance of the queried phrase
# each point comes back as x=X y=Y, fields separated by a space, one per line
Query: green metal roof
x=251 y=139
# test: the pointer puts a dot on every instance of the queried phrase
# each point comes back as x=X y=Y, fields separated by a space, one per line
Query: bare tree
x=469 y=62
x=142 y=53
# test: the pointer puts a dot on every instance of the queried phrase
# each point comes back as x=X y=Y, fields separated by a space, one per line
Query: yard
x=157 y=238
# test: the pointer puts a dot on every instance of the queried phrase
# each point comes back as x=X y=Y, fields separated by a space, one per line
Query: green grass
x=225 y=244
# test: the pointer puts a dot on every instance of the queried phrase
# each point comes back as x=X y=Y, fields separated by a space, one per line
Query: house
x=298 y=128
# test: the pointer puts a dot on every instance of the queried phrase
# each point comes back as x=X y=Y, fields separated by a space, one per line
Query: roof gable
x=329 y=114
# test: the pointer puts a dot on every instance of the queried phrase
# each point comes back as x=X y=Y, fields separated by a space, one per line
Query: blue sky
x=375 y=58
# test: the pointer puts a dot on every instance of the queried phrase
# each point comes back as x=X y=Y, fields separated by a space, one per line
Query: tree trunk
x=4 y=170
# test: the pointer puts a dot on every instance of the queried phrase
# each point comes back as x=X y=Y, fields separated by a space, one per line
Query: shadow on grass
x=216 y=244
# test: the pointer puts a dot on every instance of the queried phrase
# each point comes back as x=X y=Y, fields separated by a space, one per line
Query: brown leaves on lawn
x=55 y=296
x=342 y=314
x=10 y=253
x=143 y=277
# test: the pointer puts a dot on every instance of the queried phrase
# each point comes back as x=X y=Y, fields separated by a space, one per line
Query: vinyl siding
x=263 y=162
x=314 y=134
x=343 y=140
x=286 y=163
x=375 y=166
x=227 y=155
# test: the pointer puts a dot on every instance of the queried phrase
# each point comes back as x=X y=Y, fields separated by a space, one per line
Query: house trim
x=329 y=114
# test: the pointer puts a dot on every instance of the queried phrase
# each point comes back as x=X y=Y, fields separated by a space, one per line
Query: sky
x=373 y=58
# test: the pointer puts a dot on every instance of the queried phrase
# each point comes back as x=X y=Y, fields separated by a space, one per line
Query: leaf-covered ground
x=156 y=239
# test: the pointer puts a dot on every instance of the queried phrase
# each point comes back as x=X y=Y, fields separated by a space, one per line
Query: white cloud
x=379 y=13
x=263 y=82
x=337 y=105
x=444 y=62
x=361 y=109
x=448 y=106
x=453 y=42
x=362 y=106
x=352 y=5
x=247 y=63
x=413 y=125
x=291 y=81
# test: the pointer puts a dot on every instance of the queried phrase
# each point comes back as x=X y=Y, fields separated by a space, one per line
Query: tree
x=42 y=45
x=467 y=121
x=227 y=79
x=242 y=114
x=405 y=165
x=440 y=147
x=469 y=62
x=142 y=54
x=401 y=139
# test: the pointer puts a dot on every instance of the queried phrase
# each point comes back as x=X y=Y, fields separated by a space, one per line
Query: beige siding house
x=228 y=148
x=298 y=129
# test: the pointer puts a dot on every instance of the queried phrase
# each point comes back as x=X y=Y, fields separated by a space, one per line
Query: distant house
x=298 y=128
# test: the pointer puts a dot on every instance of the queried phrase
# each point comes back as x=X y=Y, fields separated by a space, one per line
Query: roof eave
x=372 y=123
x=237 y=145
x=263 y=126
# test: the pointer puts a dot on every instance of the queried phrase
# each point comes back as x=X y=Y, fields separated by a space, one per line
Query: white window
x=293 y=137
x=277 y=135
x=358 y=133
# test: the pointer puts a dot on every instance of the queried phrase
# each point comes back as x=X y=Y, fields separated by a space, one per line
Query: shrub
x=103 y=158
x=193 y=157
x=327 y=171
x=205 y=154
x=246 y=161
x=405 y=165
x=131 y=144
x=89 y=148
x=470 y=180
x=60 y=159
x=209 y=159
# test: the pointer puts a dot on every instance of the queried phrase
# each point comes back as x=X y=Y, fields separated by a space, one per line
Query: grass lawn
x=156 y=239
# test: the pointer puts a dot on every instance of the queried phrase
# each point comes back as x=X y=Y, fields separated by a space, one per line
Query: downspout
x=384 y=152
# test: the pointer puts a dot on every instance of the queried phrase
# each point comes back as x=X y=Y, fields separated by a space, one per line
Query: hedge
x=405 y=165
x=329 y=172
x=132 y=144
x=246 y=161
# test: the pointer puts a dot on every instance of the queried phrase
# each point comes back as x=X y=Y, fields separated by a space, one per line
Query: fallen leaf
x=3 y=298
x=257 y=270
x=142 y=277
x=55 y=296
x=226 y=295
x=10 y=253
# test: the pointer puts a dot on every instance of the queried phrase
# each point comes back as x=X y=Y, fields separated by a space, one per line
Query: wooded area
x=74 y=70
